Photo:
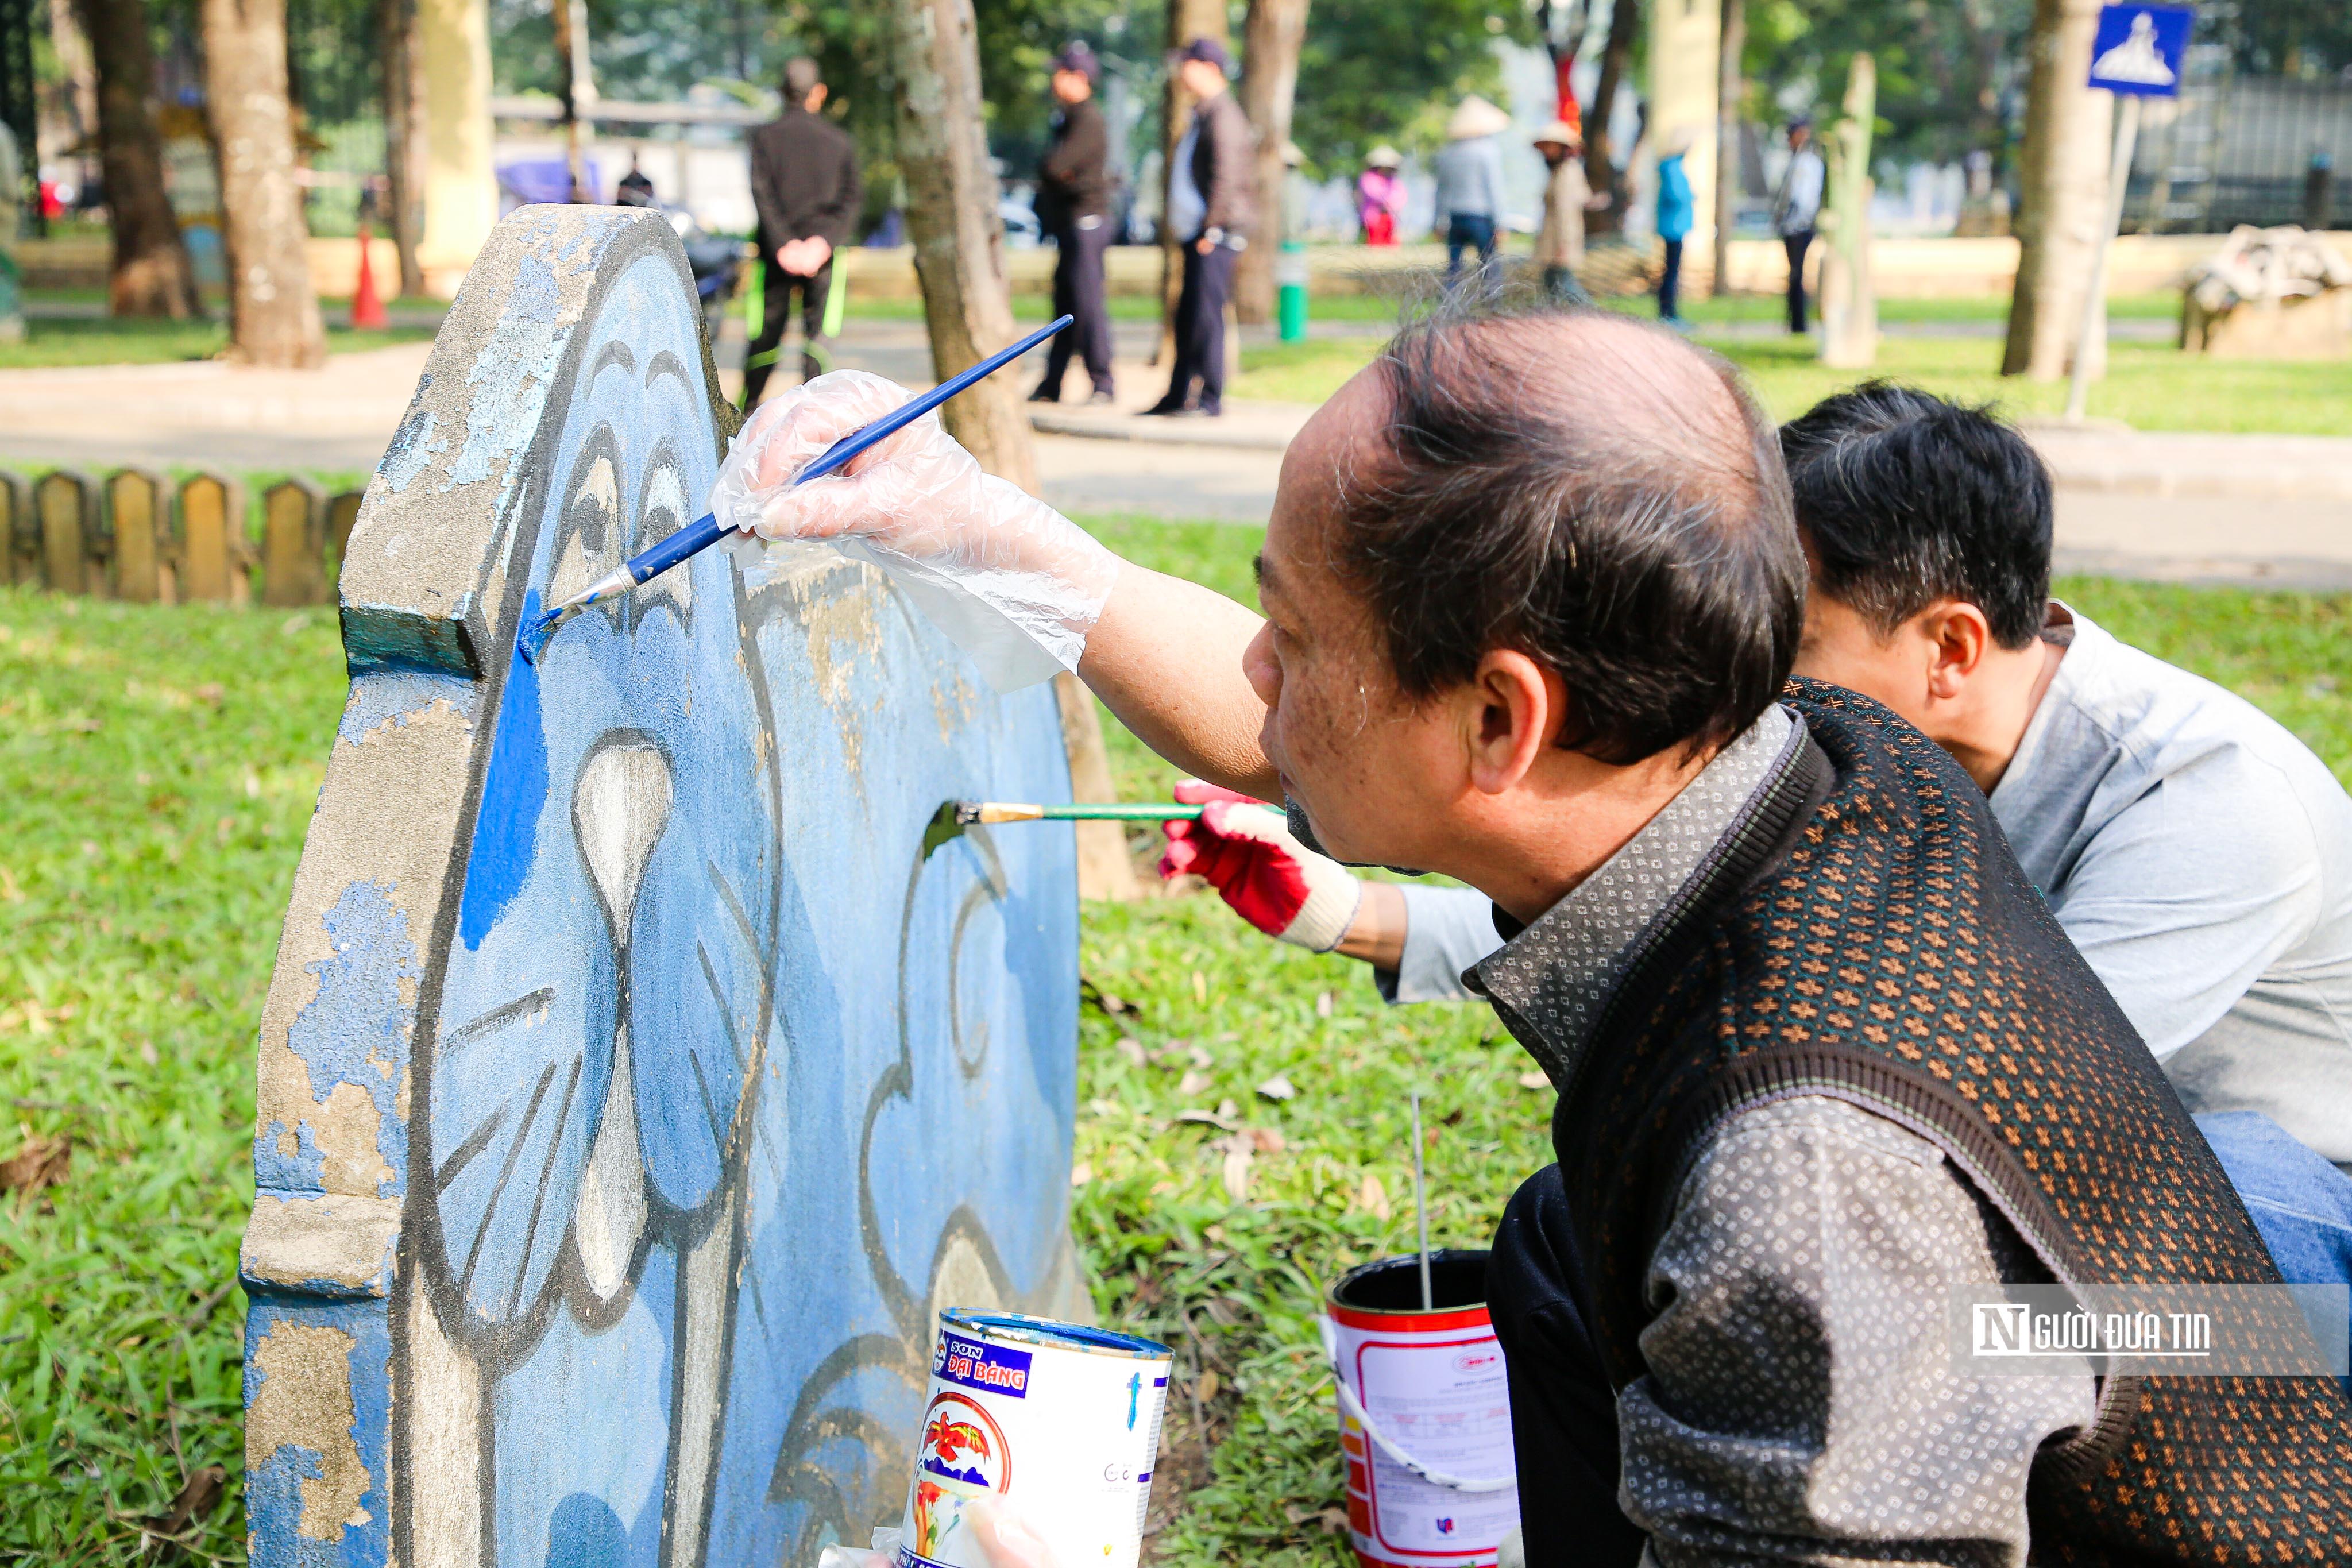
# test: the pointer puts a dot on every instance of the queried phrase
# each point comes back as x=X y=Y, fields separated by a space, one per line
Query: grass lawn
x=2147 y=387
x=104 y=341
x=161 y=767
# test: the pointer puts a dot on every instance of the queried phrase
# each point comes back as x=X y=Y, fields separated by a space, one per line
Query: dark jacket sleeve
x=1230 y=187
x=836 y=219
x=768 y=193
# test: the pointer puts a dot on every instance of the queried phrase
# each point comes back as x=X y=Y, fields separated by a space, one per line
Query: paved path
x=2252 y=509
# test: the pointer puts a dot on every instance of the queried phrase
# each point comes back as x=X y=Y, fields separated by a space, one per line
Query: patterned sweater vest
x=1867 y=933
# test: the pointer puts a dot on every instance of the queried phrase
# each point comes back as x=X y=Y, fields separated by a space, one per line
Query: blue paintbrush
x=705 y=530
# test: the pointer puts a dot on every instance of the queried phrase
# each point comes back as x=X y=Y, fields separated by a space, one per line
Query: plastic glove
x=1014 y=581
x=1245 y=849
x=1006 y=1535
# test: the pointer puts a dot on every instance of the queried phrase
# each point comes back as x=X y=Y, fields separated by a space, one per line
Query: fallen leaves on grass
x=195 y=1501
x=1372 y=1197
x=1534 y=1080
x=43 y=1161
x=1278 y=1087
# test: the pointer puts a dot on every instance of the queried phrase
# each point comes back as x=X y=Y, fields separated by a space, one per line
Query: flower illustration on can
x=963 y=1456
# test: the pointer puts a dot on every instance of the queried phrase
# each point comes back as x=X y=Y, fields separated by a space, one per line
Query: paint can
x=1062 y=1419
x=1424 y=1412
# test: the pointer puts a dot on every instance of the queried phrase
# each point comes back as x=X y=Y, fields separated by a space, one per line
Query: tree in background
x=951 y=196
x=273 y=314
x=1945 y=70
x=2062 y=194
x=1600 y=170
x=1375 y=70
x=1269 y=88
x=151 y=275
x=404 y=151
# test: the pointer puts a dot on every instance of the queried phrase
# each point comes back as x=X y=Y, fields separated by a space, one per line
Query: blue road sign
x=2139 y=48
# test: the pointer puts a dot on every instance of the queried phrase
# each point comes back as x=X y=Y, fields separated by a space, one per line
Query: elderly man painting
x=1532 y=586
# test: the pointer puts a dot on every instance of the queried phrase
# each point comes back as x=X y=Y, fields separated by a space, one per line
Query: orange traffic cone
x=367 y=306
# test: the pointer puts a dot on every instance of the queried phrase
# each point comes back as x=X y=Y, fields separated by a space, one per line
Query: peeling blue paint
x=397 y=694
x=355 y=1030
x=506 y=828
x=413 y=448
x=273 y=1504
x=275 y=1170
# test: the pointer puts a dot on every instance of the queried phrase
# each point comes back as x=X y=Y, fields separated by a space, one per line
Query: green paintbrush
x=956 y=815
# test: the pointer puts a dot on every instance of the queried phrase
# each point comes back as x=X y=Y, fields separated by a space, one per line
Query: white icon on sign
x=2137 y=58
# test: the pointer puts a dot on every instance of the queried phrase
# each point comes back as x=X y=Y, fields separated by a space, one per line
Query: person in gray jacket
x=1212 y=206
x=1470 y=183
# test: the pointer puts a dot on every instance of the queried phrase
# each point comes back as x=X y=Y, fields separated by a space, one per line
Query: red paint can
x=1424 y=1412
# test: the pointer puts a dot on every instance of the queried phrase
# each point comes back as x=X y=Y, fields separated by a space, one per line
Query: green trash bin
x=1290 y=297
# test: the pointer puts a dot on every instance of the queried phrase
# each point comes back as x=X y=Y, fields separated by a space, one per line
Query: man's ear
x=1957 y=637
x=1514 y=710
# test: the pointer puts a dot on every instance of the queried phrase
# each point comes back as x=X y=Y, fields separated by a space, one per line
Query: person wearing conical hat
x=1470 y=183
x=1559 y=244
x=1380 y=195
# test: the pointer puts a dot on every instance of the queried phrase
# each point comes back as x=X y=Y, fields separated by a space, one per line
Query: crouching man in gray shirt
x=2197 y=854
x=1532 y=587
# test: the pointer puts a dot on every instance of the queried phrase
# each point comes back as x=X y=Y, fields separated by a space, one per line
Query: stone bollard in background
x=20 y=531
x=293 y=543
x=139 y=504
x=71 y=551
x=214 y=554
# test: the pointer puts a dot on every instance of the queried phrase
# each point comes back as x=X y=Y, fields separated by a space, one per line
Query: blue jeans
x=1463 y=232
x=2300 y=1202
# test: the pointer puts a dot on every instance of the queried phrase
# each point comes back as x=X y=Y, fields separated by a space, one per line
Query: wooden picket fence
x=136 y=537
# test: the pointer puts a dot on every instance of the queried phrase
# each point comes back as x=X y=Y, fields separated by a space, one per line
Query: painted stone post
x=634 y=1087
x=293 y=543
x=211 y=553
x=20 y=529
x=140 y=505
x=71 y=551
x=1848 y=302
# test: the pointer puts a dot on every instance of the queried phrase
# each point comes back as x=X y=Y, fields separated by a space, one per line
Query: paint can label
x=1433 y=1383
x=1061 y=1420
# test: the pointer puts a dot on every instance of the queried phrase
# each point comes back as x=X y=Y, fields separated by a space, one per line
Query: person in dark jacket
x=1212 y=203
x=804 y=186
x=1074 y=200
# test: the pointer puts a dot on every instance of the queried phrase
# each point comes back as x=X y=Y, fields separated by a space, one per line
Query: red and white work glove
x=1245 y=850
x=1014 y=581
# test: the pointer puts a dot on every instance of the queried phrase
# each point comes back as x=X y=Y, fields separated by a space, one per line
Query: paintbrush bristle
x=533 y=640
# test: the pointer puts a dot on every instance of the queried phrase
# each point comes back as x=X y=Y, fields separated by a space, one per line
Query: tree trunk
x=2062 y=184
x=951 y=197
x=1600 y=167
x=1271 y=38
x=578 y=90
x=1733 y=95
x=151 y=276
x=273 y=312
x=1187 y=20
x=403 y=140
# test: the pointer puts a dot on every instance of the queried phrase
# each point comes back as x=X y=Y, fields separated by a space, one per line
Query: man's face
x=1798 y=135
x=1375 y=771
x=1201 y=80
x=1072 y=85
x=1845 y=649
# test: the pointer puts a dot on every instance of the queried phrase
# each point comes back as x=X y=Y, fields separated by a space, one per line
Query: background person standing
x=1074 y=197
x=1212 y=203
x=1675 y=211
x=805 y=189
x=1380 y=195
x=1559 y=244
x=1470 y=182
x=1796 y=208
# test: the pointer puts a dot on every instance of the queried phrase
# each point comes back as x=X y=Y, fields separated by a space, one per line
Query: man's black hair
x=1592 y=491
x=803 y=76
x=1906 y=500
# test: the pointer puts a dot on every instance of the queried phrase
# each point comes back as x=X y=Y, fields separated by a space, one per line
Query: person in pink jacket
x=1380 y=196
